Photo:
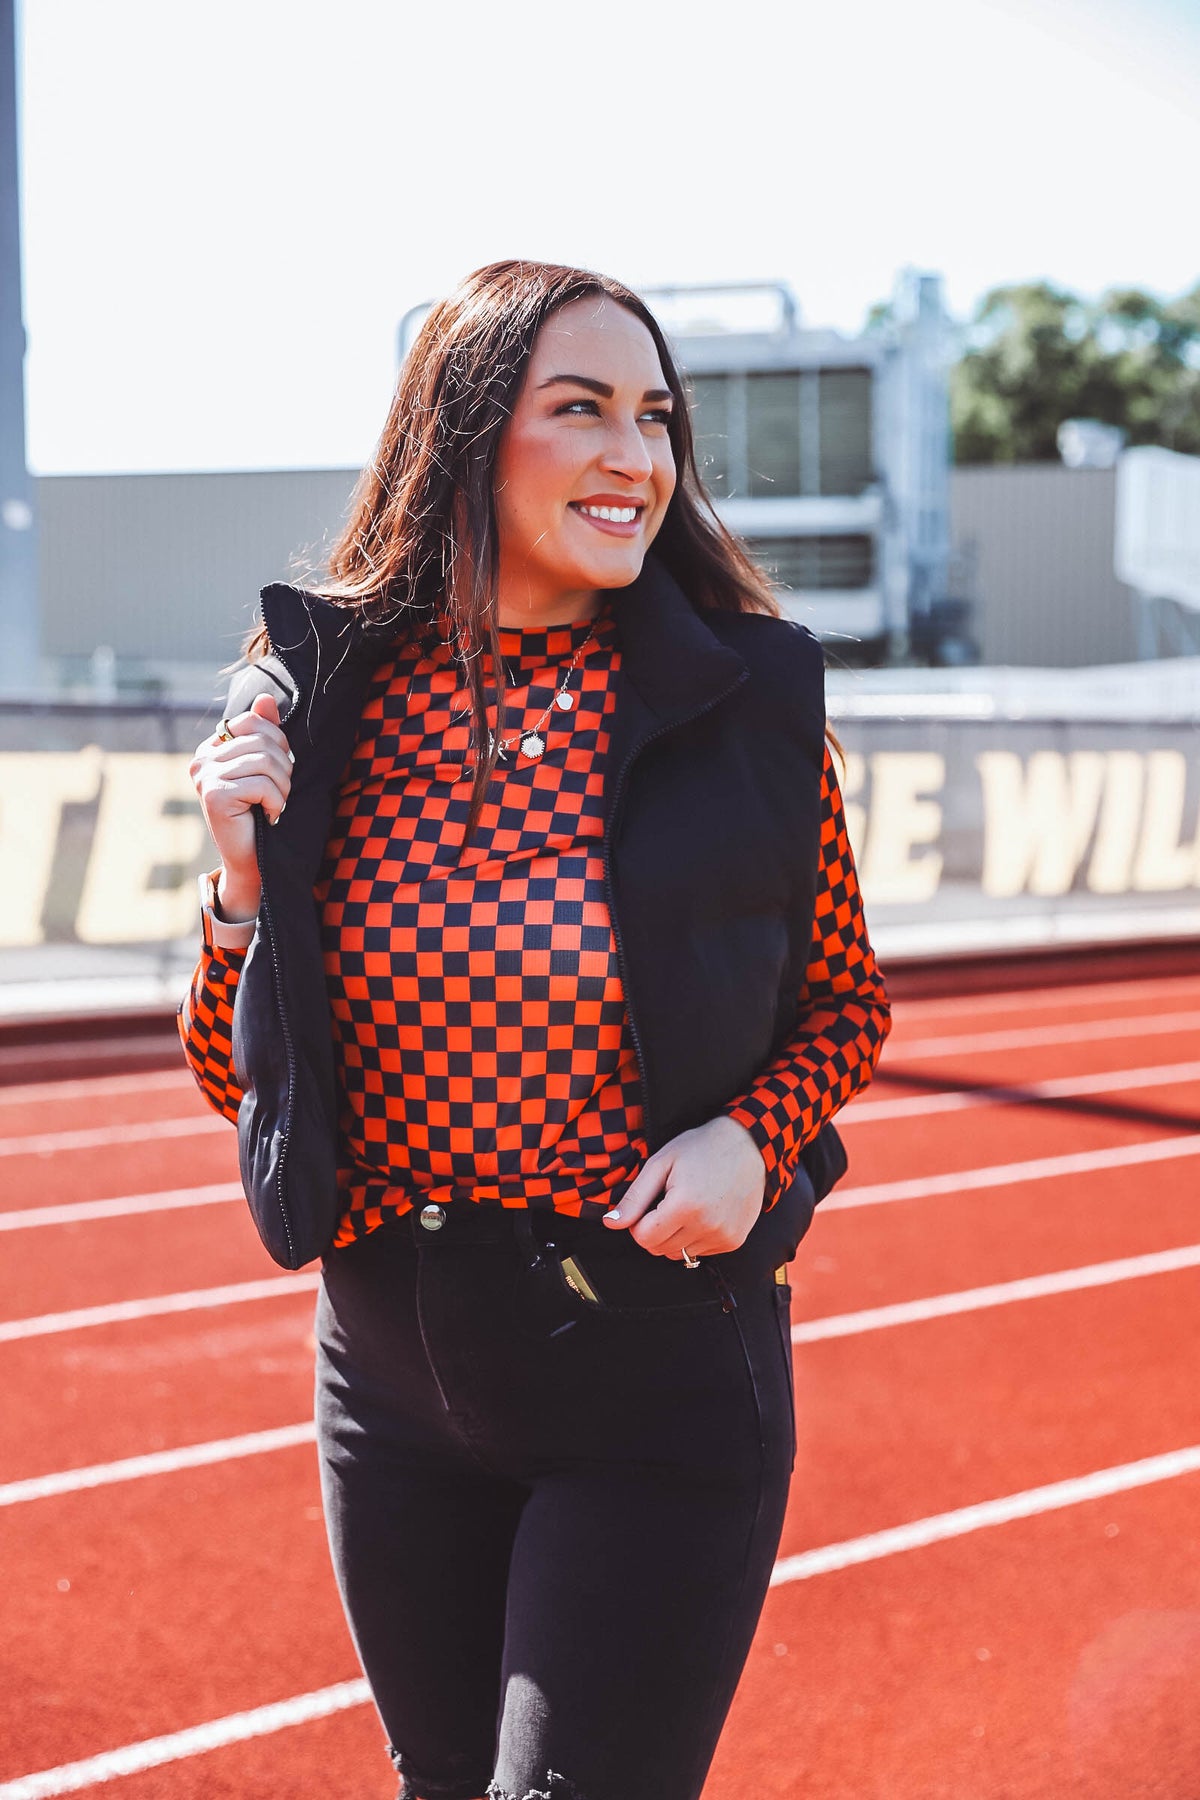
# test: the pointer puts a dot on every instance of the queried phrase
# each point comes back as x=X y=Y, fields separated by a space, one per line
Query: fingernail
x=614 y=1214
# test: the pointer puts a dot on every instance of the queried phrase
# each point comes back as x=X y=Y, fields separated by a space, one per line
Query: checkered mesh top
x=480 y=1029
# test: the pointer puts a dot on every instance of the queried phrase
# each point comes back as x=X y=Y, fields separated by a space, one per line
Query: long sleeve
x=205 y=1019
x=844 y=1015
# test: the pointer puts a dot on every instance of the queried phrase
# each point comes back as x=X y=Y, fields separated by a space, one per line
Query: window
x=772 y=434
x=784 y=433
x=831 y=562
x=845 y=406
x=710 y=416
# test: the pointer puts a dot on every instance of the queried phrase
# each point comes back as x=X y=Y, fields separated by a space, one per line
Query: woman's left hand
x=711 y=1180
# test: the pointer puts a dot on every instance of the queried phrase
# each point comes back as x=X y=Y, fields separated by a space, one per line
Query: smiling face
x=584 y=468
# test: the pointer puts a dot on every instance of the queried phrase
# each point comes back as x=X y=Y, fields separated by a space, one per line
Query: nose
x=626 y=453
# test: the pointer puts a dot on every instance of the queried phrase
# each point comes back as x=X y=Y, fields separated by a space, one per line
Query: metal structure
x=18 y=544
x=829 y=455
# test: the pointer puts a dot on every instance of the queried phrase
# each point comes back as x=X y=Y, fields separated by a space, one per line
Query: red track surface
x=1051 y=1655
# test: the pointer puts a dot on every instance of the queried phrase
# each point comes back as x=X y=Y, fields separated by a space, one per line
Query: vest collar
x=669 y=655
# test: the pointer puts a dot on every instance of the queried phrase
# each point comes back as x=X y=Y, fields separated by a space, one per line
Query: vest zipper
x=613 y=816
x=260 y=819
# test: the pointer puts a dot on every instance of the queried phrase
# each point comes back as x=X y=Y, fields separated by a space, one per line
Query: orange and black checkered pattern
x=477 y=1006
x=480 y=1027
x=206 y=1027
x=844 y=1012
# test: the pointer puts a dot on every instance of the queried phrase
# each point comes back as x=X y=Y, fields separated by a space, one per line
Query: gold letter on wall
x=135 y=835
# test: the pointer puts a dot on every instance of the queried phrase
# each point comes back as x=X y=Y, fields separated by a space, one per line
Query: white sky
x=228 y=208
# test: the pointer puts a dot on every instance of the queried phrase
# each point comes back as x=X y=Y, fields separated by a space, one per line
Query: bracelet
x=219 y=933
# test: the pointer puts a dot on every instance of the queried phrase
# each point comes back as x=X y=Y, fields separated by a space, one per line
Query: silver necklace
x=532 y=742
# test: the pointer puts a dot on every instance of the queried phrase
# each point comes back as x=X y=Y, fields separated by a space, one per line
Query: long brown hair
x=421 y=524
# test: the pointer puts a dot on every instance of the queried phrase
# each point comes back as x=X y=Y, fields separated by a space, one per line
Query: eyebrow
x=602 y=387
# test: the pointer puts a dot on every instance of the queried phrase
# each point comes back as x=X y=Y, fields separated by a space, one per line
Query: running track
x=989 y=1584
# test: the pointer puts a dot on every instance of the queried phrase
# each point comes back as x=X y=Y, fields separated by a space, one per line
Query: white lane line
x=1085 y=1032
x=152 y=1753
x=78 y=1212
x=1026 y=1505
x=1042 y=1168
x=837 y=1325
x=100 y=1087
x=155 y=1306
x=99 y=1137
x=1061 y=996
x=263 y=1720
x=995 y=1175
x=1000 y=1293
x=1062 y=1088
x=157 y=1462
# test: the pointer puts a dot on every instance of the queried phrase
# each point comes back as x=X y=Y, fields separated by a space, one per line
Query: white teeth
x=617 y=515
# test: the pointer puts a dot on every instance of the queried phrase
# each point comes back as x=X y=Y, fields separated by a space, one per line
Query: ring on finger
x=223 y=733
x=693 y=1262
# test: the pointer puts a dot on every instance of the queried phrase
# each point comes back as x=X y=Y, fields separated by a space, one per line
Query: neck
x=520 y=607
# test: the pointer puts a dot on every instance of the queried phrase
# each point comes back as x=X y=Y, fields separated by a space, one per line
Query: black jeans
x=553 y=1518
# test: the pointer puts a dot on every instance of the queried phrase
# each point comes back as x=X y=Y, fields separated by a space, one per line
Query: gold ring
x=223 y=733
x=693 y=1262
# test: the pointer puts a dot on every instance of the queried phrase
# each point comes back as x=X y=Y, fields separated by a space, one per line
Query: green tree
x=1035 y=354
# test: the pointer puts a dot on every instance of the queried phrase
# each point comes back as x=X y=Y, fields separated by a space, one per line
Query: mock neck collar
x=668 y=653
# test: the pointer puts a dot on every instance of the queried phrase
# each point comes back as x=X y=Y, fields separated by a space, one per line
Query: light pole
x=18 y=541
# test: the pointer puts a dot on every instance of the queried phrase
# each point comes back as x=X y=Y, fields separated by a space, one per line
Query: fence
x=969 y=835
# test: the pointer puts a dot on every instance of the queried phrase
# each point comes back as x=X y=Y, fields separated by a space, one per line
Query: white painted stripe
x=157 y=1462
x=1000 y=1293
x=152 y=1753
x=1027 y=1505
x=812 y=1331
x=77 y=1212
x=944 y=941
x=263 y=1720
x=1062 y=1088
x=99 y=1087
x=1060 y=996
x=1088 y=1031
x=155 y=1306
x=1042 y=1168
x=995 y=1175
x=99 y=1137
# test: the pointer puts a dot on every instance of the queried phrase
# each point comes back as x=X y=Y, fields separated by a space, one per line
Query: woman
x=544 y=1075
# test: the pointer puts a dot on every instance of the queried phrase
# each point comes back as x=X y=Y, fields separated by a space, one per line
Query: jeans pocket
x=613 y=1277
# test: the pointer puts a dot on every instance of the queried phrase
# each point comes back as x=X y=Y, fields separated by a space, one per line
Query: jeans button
x=433 y=1217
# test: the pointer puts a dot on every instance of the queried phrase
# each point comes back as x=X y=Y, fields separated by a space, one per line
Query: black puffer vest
x=711 y=837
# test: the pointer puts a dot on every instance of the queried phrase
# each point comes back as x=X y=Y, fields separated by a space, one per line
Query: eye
x=660 y=414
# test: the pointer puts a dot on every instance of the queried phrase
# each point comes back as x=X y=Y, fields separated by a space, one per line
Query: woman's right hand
x=251 y=768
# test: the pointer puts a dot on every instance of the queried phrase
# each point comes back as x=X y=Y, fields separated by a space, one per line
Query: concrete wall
x=1040 y=539
x=167 y=568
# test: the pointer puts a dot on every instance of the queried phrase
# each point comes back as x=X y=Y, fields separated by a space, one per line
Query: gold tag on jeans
x=574 y=1277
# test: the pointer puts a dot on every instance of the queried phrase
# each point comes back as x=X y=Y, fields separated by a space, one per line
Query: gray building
x=150 y=582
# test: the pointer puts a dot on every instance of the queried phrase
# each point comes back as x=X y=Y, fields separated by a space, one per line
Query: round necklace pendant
x=565 y=701
x=532 y=744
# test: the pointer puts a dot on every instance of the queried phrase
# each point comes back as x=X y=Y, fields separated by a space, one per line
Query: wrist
x=235 y=896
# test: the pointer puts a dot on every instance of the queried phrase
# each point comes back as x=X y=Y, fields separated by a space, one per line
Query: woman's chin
x=613 y=569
